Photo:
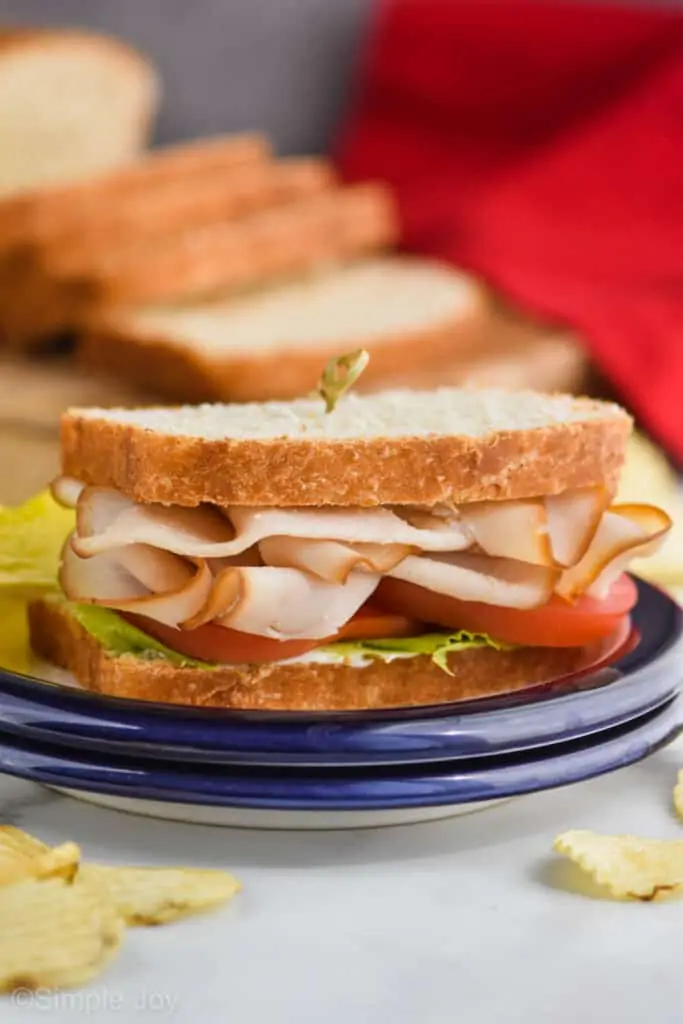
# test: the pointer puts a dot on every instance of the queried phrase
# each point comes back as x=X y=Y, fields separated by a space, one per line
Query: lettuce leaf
x=118 y=636
x=437 y=646
x=31 y=539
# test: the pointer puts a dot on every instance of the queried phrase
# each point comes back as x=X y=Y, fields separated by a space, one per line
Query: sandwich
x=398 y=549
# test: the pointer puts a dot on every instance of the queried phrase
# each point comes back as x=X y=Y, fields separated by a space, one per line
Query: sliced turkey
x=511 y=529
x=475 y=577
x=138 y=579
x=107 y=520
x=284 y=603
x=331 y=560
x=624 y=533
x=66 y=491
x=572 y=520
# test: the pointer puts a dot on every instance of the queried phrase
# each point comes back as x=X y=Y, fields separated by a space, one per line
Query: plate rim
x=624 y=746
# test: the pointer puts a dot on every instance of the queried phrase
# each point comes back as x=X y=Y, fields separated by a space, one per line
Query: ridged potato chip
x=647 y=471
x=678 y=795
x=24 y=856
x=55 y=935
x=150 y=896
x=628 y=867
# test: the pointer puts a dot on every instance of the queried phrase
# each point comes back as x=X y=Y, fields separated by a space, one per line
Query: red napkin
x=540 y=144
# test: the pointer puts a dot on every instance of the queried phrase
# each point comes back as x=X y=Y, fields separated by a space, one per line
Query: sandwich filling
x=243 y=584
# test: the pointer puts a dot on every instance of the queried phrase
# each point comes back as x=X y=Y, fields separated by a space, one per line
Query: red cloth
x=540 y=144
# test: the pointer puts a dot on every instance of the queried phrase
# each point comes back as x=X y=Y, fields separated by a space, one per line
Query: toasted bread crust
x=59 y=638
x=179 y=470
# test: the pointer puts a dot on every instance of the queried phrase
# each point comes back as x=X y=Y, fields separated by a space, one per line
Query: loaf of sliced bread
x=71 y=104
x=48 y=290
x=271 y=343
x=394 y=447
x=176 y=203
x=234 y=254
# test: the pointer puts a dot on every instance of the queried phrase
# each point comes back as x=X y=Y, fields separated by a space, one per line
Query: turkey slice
x=511 y=529
x=66 y=491
x=572 y=519
x=624 y=533
x=107 y=520
x=476 y=577
x=331 y=560
x=138 y=579
x=284 y=603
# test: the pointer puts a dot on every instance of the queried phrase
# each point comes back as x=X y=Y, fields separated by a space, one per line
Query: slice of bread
x=71 y=104
x=61 y=288
x=48 y=213
x=338 y=224
x=291 y=686
x=409 y=313
x=176 y=202
x=394 y=447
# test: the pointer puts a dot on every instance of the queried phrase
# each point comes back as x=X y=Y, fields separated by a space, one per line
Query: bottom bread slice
x=290 y=686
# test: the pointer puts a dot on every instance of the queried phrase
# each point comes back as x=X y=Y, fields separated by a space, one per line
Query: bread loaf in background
x=72 y=104
x=212 y=270
x=273 y=342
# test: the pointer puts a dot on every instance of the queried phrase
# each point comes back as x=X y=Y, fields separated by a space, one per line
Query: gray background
x=280 y=65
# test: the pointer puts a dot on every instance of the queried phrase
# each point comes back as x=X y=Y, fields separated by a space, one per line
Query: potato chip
x=15 y=648
x=647 y=471
x=24 y=856
x=678 y=795
x=627 y=866
x=55 y=935
x=149 y=896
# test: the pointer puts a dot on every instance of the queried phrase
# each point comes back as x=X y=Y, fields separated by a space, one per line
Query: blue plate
x=343 y=790
x=563 y=711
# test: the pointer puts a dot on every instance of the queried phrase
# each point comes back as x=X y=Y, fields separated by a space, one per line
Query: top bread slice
x=71 y=104
x=391 y=448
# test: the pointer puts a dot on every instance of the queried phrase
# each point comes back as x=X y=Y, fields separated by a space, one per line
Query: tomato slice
x=372 y=622
x=230 y=646
x=555 y=624
x=218 y=644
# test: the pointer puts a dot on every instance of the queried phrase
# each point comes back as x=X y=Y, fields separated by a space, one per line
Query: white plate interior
x=244 y=817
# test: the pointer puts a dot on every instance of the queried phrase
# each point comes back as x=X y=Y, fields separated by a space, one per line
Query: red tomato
x=373 y=623
x=555 y=624
x=230 y=646
x=221 y=645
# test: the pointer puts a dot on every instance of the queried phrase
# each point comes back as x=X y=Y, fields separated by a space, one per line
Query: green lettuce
x=31 y=538
x=119 y=637
x=437 y=646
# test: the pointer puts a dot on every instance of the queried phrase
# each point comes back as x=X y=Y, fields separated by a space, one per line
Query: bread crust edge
x=508 y=465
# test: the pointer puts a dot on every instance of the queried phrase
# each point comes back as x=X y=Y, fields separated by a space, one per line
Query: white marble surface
x=468 y=920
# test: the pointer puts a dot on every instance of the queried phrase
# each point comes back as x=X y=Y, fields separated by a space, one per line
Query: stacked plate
x=276 y=770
